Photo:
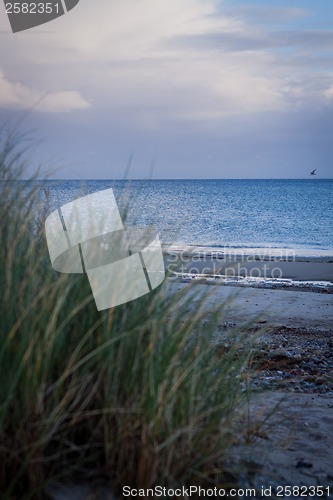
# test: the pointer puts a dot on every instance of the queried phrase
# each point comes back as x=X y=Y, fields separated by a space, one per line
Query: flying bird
x=313 y=172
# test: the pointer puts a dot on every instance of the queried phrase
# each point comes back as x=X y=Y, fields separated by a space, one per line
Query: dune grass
x=136 y=394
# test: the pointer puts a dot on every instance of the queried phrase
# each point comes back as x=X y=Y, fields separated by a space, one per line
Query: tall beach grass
x=136 y=395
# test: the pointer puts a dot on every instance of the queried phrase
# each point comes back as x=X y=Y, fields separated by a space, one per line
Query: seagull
x=313 y=172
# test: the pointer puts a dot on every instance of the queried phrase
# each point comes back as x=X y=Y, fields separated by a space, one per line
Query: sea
x=218 y=213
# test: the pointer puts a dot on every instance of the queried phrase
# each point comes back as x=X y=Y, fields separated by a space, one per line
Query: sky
x=183 y=88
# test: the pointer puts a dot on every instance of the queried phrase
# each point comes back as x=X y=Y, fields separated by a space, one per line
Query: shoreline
x=324 y=287
x=243 y=253
x=262 y=268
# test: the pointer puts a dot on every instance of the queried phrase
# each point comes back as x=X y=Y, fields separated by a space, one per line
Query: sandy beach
x=293 y=372
x=293 y=446
x=291 y=308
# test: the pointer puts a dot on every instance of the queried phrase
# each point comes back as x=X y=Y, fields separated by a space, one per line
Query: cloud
x=248 y=40
x=264 y=14
x=18 y=96
x=149 y=63
x=328 y=93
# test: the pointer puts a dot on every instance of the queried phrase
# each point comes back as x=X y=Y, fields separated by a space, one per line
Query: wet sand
x=303 y=270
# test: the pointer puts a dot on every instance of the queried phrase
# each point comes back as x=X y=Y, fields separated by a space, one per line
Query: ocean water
x=220 y=213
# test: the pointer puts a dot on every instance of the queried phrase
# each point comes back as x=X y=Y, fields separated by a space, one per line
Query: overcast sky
x=197 y=88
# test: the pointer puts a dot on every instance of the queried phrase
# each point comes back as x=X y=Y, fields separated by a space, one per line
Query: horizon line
x=186 y=179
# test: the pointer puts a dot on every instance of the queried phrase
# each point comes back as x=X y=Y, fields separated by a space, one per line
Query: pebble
x=294 y=360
